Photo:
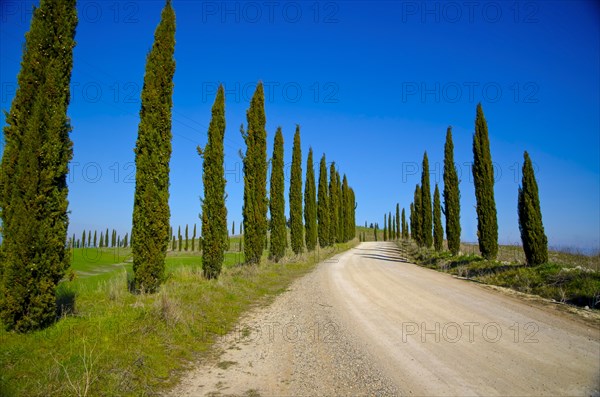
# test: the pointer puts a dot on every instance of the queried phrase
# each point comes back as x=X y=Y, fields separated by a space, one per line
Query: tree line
x=33 y=186
x=425 y=217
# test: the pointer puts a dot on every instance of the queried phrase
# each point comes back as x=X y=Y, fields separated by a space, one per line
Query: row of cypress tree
x=425 y=221
x=87 y=241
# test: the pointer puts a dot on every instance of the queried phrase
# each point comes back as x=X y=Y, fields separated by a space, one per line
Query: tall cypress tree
x=451 y=196
x=340 y=215
x=390 y=227
x=323 y=212
x=277 y=201
x=126 y=240
x=179 y=239
x=384 y=227
x=310 y=204
x=333 y=205
x=426 y=211
x=483 y=175
x=412 y=222
x=151 y=213
x=438 y=231
x=83 y=238
x=535 y=242
x=101 y=240
x=114 y=239
x=398 y=222
x=296 y=227
x=33 y=186
x=345 y=209
x=353 y=217
x=375 y=231
x=95 y=239
x=404 y=225
x=255 y=178
x=194 y=239
x=187 y=238
x=214 y=212
x=418 y=216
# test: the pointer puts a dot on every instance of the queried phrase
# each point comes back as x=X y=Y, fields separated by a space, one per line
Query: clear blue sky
x=372 y=84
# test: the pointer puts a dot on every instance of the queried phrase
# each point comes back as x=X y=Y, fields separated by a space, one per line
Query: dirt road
x=368 y=323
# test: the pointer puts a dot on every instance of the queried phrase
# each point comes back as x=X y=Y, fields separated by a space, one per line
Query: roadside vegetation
x=571 y=278
x=109 y=341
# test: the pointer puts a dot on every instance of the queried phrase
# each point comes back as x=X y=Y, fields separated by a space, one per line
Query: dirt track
x=366 y=322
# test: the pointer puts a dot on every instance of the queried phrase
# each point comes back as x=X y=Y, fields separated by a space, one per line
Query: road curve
x=367 y=322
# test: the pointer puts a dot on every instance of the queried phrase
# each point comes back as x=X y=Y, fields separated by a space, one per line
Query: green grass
x=571 y=278
x=118 y=343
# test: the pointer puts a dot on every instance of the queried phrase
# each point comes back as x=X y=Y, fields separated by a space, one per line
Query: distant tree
x=323 y=211
x=35 y=158
x=151 y=213
x=483 y=175
x=233 y=228
x=412 y=216
x=426 y=211
x=114 y=238
x=438 y=231
x=346 y=210
x=296 y=227
x=126 y=240
x=375 y=232
x=255 y=179
x=451 y=196
x=390 y=227
x=83 y=238
x=106 y=240
x=277 y=201
x=214 y=212
x=95 y=239
x=535 y=242
x=310 y=204
x=173 y=244
x=101 y=243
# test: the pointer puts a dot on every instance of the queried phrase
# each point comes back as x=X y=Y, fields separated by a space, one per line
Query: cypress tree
x=399 y=223
x=333 y=205
x=194 y=239
x=214 y=212
x=451 y=196
x=375 y=232
x=323 y=212
x=438 y=231
x=173 y=244
x=310 y=204
x=33 y=186
x=418 y=216
x=83 y=238
x=404 y=226
x=345 y=210
x=89 y=239
x=384 y=227
x=126 y=240
x=151 y=213
x=106 y=242
x=413 y=229
x=277 y=201
x=483 y=175
x=255 y=178
x=179 y=239
x=340 y=215
x=426 y=210
x=233 y=228
x=101 y=244
x=95 y=239
x=186 y=246
x=535 y=242
x=353 y=207
x=390 y=227
x=114 y=238
x=296 y=227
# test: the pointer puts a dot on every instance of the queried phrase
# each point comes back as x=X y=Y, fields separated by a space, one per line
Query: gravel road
x=365 y=322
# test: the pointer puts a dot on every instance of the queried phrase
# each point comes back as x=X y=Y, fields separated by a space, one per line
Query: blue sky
x=372 y=84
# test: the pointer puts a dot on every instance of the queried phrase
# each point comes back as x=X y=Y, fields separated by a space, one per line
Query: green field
x=109 y=341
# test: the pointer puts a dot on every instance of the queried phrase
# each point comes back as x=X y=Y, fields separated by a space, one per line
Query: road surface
x=366 y=322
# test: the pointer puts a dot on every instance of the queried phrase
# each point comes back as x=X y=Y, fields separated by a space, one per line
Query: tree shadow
x=65 y=301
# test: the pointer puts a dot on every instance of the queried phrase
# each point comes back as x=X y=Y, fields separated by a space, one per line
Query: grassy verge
x=568 y=278
x=110 y=342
